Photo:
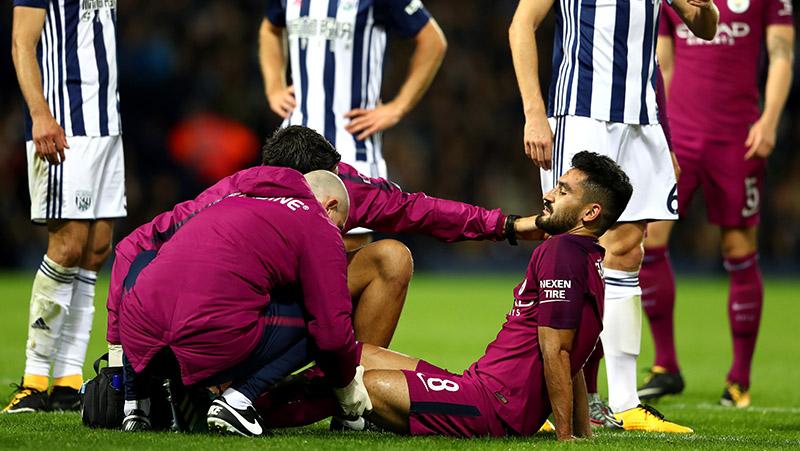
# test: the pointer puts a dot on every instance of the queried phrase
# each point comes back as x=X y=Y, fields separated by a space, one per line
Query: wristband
x=511 y=234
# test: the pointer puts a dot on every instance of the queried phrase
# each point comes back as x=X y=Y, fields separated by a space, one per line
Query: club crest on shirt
x=83 y=200
x=738 y=6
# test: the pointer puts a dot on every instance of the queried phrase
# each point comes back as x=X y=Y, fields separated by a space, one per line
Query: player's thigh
x=387 y=259
x=389 y=394
x=66 y=240
x=733 y=186
x=378 y=358
x=658 y=233
x=447 y=404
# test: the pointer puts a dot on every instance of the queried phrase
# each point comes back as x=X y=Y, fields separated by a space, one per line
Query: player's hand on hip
x=282 y=101
x=760 y=140
x=354 y=398
x=366 y=122
x=49 y=139
x=539 y=141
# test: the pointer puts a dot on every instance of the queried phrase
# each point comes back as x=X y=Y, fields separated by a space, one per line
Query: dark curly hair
x=606 y=183
x=300 y=148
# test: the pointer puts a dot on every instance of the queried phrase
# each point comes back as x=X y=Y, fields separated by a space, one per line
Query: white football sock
x=622 y=336
x=236 y=399
x=50 y=299
x=140 y=404
x=77 y=326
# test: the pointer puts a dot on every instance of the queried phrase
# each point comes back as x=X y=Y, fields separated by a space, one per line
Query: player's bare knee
x=625 y=256
x=95 y=256
x=394 y=261
x=738 y=242
x=67 y=253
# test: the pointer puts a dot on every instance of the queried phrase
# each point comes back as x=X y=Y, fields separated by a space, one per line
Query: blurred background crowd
x=194 y=110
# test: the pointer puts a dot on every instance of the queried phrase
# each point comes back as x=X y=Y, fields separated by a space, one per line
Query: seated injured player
x=206 y=300
x=378 y=274
x=534 y=366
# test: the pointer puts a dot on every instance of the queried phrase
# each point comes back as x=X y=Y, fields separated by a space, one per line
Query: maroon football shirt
x=563 y=289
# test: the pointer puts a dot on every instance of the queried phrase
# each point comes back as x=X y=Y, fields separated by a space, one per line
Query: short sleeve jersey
x=77 y=57
x=563 y=289
x=723 y=72
x=336 y=55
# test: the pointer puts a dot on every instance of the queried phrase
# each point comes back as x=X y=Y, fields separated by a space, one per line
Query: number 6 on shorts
x=437 y=384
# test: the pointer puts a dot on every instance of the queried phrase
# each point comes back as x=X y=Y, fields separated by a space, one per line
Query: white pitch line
x=707 y=406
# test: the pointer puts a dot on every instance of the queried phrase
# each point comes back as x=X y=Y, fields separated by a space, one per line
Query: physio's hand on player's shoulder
x=760 y=140
x=282 y=101
x=49 y=138
x=525 y=229
x=539 y=141
x=366 y=122
x=354 y=398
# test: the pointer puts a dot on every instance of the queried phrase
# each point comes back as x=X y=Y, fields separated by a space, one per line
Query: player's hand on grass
x=366 y=122
x=525 y=229
x=354 y=398
x=539 y=141
x=760 y=140
x=282 y=101
x=49 y=139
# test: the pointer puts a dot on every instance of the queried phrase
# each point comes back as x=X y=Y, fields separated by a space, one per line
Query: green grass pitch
x=449 y=321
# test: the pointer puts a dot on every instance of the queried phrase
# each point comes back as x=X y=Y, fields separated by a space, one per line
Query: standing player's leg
x=657 y=280
x=378 y=275
x=622 y=318
x=733 y=188
x=745 y=302
x=68 y=365
x=49 y=306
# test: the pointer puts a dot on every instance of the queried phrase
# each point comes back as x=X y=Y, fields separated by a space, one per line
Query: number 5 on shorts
x=437 y=384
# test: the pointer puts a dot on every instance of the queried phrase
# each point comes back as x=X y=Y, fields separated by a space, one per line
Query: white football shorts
x=640 y=150
x=89 y=184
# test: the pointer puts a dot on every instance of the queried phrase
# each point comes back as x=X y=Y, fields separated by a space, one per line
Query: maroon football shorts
x=448 y=404
x=732 y=186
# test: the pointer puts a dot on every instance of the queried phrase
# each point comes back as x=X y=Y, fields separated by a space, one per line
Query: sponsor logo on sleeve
x=554 y=290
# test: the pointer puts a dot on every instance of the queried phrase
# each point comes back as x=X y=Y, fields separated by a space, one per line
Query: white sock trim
x=236 y=399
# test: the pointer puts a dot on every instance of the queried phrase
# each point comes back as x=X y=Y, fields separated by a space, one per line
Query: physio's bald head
x=331 y=193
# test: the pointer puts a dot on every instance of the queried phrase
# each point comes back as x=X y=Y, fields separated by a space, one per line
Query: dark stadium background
x=184 y=61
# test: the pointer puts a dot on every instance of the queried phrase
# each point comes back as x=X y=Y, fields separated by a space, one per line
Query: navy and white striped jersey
x=336 y=54
x=604 y=60
x=77 y=55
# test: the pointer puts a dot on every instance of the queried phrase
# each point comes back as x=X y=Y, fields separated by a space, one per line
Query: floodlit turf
x=448 y=321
